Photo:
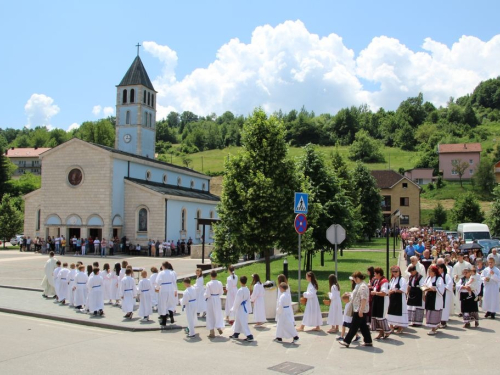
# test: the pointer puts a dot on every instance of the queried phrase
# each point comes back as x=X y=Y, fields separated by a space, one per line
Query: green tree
x=367 y=200
x=11 y=219
x=484 y=175
x=365 y=149
x=256 y=186
x=494 y=215
x=5 y=173
x=413 y=109
x=459 y=166
x=439 y=215
x=467 y=209
x=100 y=132
x=405 y=137
x=470 y=117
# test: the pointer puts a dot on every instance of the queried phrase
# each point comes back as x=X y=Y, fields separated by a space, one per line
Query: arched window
x=127 y=118
x=203 y=186
x=198 y=216
x=150 y=120
x=165 y=178
x=145 y=119
x=192 y=184
x=152 y=100
x=38 y=217
x=142 y=220
x=144 y=98
x=183 y=219
x=148 y=175
x=124 y=97
x=132 y=95
x=149 y=98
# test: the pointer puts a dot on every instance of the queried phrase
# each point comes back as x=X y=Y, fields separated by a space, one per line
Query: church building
x=89 y=190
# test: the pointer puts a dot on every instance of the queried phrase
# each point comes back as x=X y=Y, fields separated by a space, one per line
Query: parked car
x=488 y=245
x=14 y=241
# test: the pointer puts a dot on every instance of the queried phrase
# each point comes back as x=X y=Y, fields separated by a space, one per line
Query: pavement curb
x=21 y=288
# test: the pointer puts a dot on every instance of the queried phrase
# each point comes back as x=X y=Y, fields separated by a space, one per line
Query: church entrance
x=95 y=232
x=72 y=232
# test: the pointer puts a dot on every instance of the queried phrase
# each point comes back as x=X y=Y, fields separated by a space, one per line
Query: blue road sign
x=300 y=223
x=301 y=203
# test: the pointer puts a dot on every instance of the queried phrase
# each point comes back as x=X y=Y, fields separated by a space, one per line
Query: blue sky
x=321 y=54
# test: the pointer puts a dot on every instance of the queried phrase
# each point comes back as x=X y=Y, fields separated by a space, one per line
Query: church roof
x=178 y=191
x=136 y=75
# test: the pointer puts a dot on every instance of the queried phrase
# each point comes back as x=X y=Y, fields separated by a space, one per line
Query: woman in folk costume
x=468 y=292
x=154 y=295
x=335 y=311
x=144 y=291
x=129 y=294
x=201 y=303
x=380 y=304
x=231 y=289
x=491 y=279
x=213 y=291
x=95 y=290
x=285 y=327
x=397 y=313
x=434 y=291
x=71 y=284
x=241 y=308
x=415 y=302
x=167 y=294
x=106 y=282
x=448 y=294
x=188 y=303
x=80 y=287
x=312 y=314
x=259 y=309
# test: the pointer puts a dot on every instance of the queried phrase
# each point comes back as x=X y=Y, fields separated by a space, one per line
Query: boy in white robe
x=63 y=283
x=95 y=289
x=55 y=276
x=71 y=284
x=231 y=289
x=241 y=308
x=154 y=295
x=491 y=280
x=80 y=288
x=166 y=284
x=189 y=305
x=215 y=318
x=144 y=291
x=129 y=294
x=201 y=303
x=48 y=279
x=285 y=327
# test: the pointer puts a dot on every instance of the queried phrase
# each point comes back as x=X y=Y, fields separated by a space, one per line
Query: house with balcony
x=421 y=176
x=26 y=160
x=398 y=193
x=461 y=152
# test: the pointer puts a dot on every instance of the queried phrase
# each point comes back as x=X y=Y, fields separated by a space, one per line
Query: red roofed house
x=26 y=160
x=497 y=171
x=469 y=152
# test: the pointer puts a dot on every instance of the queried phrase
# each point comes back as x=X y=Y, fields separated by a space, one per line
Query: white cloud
x=40 y=109
x=286 y=66
x=73 y=126
x=96 y=110
x=108 y=111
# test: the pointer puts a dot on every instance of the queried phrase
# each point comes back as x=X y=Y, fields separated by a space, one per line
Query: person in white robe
x=282 y=279
x=448 y=293
x=80 y=287
x=55 y=277
x=115 y=284
x=63 y=277
x=95 y=296
x=144 y=291
x=458 y=270
x=201 y=304
x=257 y=298
x=312 y=314
x=174 y=302
x=213 y=291
x=241 y=308
x=106 y=281
x=71 y=284
x=154 y=295
x=189 y=306
x=491 y=280
x=121 y=275
x=397 y=312
x=335 y=311
x=231 y=289
x=418 y=266
x=285 y=327
x=129 y=294
x=48 y=279
x=167 y=294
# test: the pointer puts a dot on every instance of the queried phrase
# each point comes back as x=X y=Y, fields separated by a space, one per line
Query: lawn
x=351 y=261
x=375 y=244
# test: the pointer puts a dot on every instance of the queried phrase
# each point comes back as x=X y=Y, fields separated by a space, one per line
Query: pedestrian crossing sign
x=301 y=202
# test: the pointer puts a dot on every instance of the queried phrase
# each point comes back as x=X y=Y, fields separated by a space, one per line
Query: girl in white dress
x=231 y=289
x=285 y=327
x=312 y=314
x=335 y=311
x=201 y=303
x=114 y=293
x=154 y=295
x=106 y=282
x=71 y=281
x=282 y=279
x=259 y=309
x=144 y=291
x=80 y=288
x=96 y=300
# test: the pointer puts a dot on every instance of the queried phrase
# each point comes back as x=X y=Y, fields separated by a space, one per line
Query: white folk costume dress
x=312 y=314
x=457 y=274
x=259 y=308
x=189 y=305
x=335 y=311
x=106 y=285
x=144 y=290
x=447 y=298
x=129 y=293
x=231 y=289
x=468 y=305
x=491 y=300
x=201 y=303
x=114 y=286
x=63 y=284
x=166 y=283
x=154 y=295
x=434 y=301
x=380 y=304
x=48 y=279
x=95 y=290
x=241 y=308
x=81 y=279
x=415 y=302
x=213 y=291
x=397 y=313
x=285 y=327
x=71 y=286
x=55 y=278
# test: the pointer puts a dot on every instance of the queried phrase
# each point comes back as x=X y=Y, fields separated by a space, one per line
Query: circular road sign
x=300 y=223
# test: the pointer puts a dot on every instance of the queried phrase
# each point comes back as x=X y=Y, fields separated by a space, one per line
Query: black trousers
x=359 y=323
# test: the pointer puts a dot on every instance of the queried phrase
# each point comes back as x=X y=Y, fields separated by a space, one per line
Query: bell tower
x=136 y=111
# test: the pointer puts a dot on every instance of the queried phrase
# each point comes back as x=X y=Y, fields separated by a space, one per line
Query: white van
x=473 y=231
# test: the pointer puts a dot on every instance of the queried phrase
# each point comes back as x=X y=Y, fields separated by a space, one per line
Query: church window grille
x=165 y=178
x=183 y=219
x=150 y=120
x=148 y=175
x=127 y=118
x=192 y=184
x=124 y=97
x=149 y=98
x=179 y=181
x=145 y=119
x=142 y=220
x=132 y=95
x=144 y=98
x=152 y=100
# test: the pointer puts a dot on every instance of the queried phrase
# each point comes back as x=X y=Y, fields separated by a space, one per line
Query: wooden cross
x=138 y=45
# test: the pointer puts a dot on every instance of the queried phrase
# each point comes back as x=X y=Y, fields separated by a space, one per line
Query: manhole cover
x=291 y=368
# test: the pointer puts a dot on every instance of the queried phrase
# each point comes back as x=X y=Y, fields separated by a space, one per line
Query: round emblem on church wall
x=75 y=177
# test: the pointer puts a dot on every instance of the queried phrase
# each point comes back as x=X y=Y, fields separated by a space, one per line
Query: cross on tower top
x=138 y=45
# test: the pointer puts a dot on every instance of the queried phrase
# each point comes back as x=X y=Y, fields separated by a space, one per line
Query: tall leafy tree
x=459 y=166
x=484 y=176
x=11 y=219
x=467 y=209
x=257 y=185
x=4 y=173
x=439 y=215
x=365 y=148
x=494 y=215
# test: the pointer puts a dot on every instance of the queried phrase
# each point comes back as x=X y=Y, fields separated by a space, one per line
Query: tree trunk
x=268 y=263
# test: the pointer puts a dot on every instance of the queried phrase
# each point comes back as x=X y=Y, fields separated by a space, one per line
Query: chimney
x=36 y=147
x=465 y=146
